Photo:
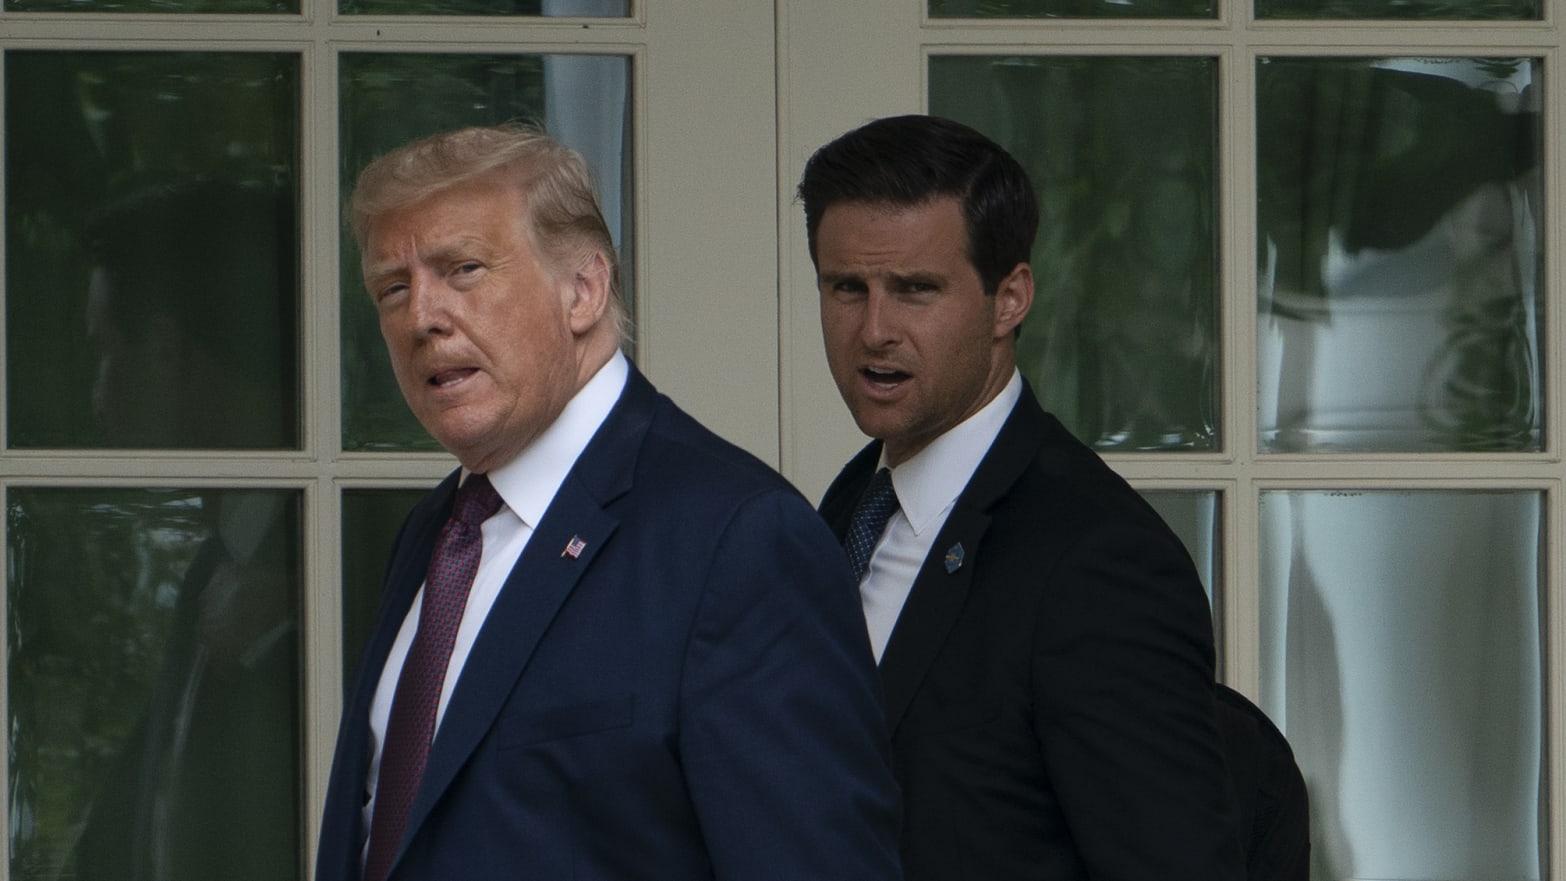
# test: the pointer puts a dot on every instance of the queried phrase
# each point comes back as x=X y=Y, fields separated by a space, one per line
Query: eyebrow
x=835 y=277
x=896 y=279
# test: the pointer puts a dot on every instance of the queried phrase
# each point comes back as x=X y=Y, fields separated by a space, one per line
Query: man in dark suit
x=659 y=670
x=1045 y=646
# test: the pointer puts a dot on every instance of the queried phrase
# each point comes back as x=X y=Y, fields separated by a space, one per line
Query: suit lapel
x=932 y=608
x=945 y=580
x=538 y=586
x=575 y=528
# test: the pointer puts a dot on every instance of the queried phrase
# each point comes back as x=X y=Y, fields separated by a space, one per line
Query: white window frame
x=847 y=63
x=705 y=302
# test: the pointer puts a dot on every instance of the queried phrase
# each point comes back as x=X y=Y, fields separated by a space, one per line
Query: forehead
x=477 y=210
x=860 y=232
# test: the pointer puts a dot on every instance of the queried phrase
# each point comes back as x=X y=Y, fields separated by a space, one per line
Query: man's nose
x=429 y=307
x=879 y=327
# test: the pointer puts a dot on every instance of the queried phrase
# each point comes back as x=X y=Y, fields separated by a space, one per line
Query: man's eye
x=389 y=291
x=467 y=268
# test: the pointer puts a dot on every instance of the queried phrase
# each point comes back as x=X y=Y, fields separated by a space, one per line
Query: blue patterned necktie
x=411 y=727
x=870 y=516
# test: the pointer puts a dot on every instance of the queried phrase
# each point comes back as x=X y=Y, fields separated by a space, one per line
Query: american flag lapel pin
x=574 y=547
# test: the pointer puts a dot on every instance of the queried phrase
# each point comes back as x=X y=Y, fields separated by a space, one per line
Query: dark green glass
x=1400 y=254
x=571 y=8
x=154 y=684
x=1072 y=8
x=1404 y=10
x=155 y=6
x=152 y=282
x=391 y=99
x=371 y=518
x=1122 y=340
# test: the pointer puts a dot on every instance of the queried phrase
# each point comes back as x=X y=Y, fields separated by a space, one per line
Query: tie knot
x=477 y=501
x=879 y=493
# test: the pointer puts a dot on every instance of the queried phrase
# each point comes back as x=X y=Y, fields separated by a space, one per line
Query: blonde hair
x=557 y=190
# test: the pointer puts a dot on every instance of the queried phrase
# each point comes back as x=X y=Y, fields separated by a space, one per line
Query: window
x=1291 y=282
x=204 y=455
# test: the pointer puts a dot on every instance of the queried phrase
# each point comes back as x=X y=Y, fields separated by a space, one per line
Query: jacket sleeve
x=782 y=737
x=1125 y=711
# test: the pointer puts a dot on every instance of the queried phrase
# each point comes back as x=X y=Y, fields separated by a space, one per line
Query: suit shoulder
x=680 y=449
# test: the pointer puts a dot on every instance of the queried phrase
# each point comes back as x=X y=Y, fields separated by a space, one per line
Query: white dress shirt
x=927 y=486
x=527 y=485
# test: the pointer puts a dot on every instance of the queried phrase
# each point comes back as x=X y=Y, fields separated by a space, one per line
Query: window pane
x=156 y=6
x=371 y=518
x=1421 y=10
x=153 y=676
x=389 y=100
x=1195 y=517
x=152 y=249
x=1400 y=255
x=1402 y=656
x=571 y=8
x=1072 y=9
x=1122 y=341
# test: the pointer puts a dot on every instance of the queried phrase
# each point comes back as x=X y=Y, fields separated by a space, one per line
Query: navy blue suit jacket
x=1049 y=684
x=692 y=696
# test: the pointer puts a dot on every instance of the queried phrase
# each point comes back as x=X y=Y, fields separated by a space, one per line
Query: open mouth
x=881 y=376
x=449 y=378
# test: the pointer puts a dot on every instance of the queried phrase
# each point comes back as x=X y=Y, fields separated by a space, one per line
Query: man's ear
x=1013 y=299
x=590 y=294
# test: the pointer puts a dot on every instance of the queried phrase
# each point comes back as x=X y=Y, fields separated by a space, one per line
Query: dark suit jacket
x=1274 y=804
x=1049 y=684
x=693 y=696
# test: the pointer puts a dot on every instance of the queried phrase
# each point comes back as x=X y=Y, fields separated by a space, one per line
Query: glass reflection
x=154 y=6
x=371 y=518
x=1402 y=655
x=548 y=8
x=153 y=676
x=1072 y=9
x=1122 y=340
x=1414 y=10
x=1400 y=254
x=390 y=99
x=151 y=250
x=1195 y=518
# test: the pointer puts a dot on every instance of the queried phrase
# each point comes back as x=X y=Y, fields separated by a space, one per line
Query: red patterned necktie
x=412 y=724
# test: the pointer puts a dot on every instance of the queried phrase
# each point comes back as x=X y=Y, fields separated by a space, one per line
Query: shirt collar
x=929 y=482
x=528 y=483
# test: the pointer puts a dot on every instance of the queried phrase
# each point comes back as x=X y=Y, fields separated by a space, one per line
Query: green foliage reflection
x=1071 y=8
x=98 y=135
x=371 y=518
x=153 y=679
x=154 y=6
x=1122 y=341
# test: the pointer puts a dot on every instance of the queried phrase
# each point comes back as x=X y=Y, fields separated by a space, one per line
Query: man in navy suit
x=659 y=670
x=1045 y=645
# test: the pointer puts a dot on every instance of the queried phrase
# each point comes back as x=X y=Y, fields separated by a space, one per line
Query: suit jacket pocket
x=540 y=724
